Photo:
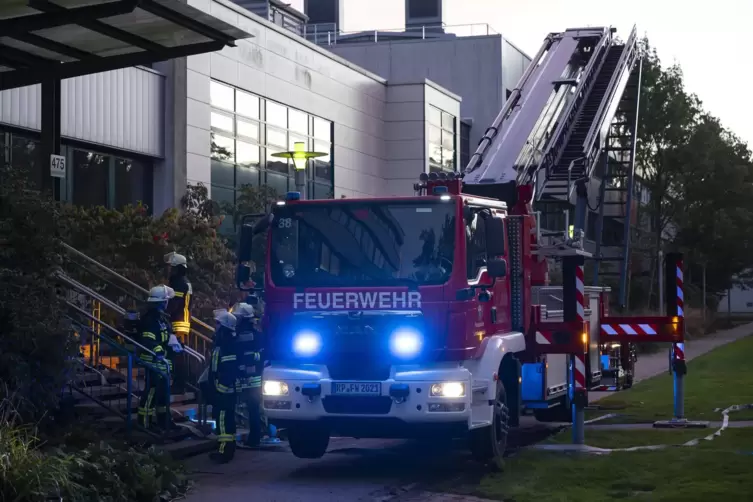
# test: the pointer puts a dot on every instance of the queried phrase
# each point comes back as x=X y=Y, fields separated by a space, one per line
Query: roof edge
x=287 y=33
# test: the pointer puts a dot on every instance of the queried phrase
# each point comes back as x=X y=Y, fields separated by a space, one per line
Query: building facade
x=143 y=134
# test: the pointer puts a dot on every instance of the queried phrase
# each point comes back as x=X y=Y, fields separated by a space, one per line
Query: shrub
x=98 y=473
x=133 y=243
x=34 y=341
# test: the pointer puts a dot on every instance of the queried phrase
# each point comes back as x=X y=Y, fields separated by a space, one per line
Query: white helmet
x=225 y=318
x=243 y=310
x=176 y=260
x=160 y=293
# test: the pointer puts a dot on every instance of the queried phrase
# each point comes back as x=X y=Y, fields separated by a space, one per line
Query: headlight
x=448 y=389
x=406 y=343
x=307 y=343
x=275 y=388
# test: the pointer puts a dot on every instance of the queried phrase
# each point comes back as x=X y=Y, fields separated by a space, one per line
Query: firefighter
x=179 y=310
x=156 y=336
x=250 y=369
x=223 y=372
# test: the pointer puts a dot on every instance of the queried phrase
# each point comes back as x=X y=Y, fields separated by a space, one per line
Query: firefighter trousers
x=153 y=404
x=251 y=397
x=223 y=412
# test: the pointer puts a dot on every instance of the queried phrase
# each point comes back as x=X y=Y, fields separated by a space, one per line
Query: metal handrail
x=629 y=48
x=120 y=277
x=118 y=309
x=108 y=327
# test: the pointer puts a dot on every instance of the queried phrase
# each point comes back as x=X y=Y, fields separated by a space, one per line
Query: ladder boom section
x=515 y=142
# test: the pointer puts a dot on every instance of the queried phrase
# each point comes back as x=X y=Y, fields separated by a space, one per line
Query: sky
x=708 y=39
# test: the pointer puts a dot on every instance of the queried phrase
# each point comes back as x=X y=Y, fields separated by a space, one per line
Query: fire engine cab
x=431 y=315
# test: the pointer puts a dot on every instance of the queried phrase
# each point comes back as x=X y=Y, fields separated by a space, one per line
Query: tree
x=699 y=176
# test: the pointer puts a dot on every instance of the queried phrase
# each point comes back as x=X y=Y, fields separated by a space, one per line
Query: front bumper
x=380 y=415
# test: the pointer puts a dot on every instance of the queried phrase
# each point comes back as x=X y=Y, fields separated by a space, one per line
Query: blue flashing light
x=293 y=196
x=307 y=343
x=406 y=343
x=440 y=190
x=605 y=362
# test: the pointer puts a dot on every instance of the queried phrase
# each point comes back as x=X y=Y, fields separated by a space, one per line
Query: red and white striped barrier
x=579 y=360
x=680 y=296
x=679 y=351
x=543 y=338
x=628 y=329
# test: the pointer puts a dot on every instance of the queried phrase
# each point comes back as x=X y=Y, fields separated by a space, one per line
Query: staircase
x=108 y=378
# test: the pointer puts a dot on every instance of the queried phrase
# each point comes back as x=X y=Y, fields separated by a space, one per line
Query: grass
x=703 y=473
x=715 y=380
x=713 y=470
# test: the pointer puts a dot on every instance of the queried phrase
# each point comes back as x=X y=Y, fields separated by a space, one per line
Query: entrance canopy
x=44 y=40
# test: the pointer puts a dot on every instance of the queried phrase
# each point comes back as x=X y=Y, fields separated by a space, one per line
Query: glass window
x=298 y=139
x=224 y=197
x=448 y=160
x=298 y=121
x=476 y=243
x=246 y=104
x=246 y=176
x=133 y=182
x=323 y=165
x=246 y=154
x=323 y=129
x=248 y=129
x=277 y=137
x=277 y=182
x=223 y=148
x=448 y=140
x=448 y=122
x=435 y=135
x=277 y=114
x=275 y=163
x=222 y=122
x=323 y=191
x=435 y=116
x=221 y=96
x=223 y=174
x=435 y=155
x=91 y=178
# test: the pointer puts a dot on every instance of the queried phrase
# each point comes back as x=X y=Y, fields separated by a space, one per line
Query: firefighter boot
x=225 y=453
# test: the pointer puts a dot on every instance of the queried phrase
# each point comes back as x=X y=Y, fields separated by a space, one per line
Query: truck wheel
x=308 y=441
x=488 y=443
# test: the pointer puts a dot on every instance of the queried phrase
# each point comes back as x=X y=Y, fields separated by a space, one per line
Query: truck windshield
x=363 y=243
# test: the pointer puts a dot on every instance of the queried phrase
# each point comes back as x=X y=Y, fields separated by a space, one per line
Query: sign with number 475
x=57 y=166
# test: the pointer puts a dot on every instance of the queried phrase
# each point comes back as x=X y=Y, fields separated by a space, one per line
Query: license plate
x=357 y=388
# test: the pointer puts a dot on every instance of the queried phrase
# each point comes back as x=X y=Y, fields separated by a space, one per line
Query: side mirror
x=496 y=267
x=495 y=236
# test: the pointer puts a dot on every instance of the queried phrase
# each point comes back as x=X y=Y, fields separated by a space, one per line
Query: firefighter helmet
x=243 y=310
x=176 y=260
x=225 y=319
x=160 y=293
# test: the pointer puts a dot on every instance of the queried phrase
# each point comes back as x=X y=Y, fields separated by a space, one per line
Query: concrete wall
x=406 y=131
x=278 y=65
x=120 y=109
x=466 y=66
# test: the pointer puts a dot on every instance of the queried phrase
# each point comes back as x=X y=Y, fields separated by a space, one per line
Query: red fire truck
x=417 y=316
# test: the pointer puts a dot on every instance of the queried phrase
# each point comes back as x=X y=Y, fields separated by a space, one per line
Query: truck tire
x=308 y=441
x=488 y=444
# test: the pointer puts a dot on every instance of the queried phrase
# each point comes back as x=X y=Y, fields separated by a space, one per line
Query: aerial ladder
x=572 y=118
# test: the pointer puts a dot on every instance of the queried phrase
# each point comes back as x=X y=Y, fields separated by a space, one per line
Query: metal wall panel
x=121 y=109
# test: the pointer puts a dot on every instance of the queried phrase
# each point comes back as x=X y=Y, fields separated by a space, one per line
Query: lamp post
x=300 y=158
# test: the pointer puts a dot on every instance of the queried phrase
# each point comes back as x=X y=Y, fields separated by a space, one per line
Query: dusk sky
x=709 y=39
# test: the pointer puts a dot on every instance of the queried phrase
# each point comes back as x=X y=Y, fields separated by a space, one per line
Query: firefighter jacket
x=223 y=370
x=154 y=334
x=250 y=348
x=179 y=307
